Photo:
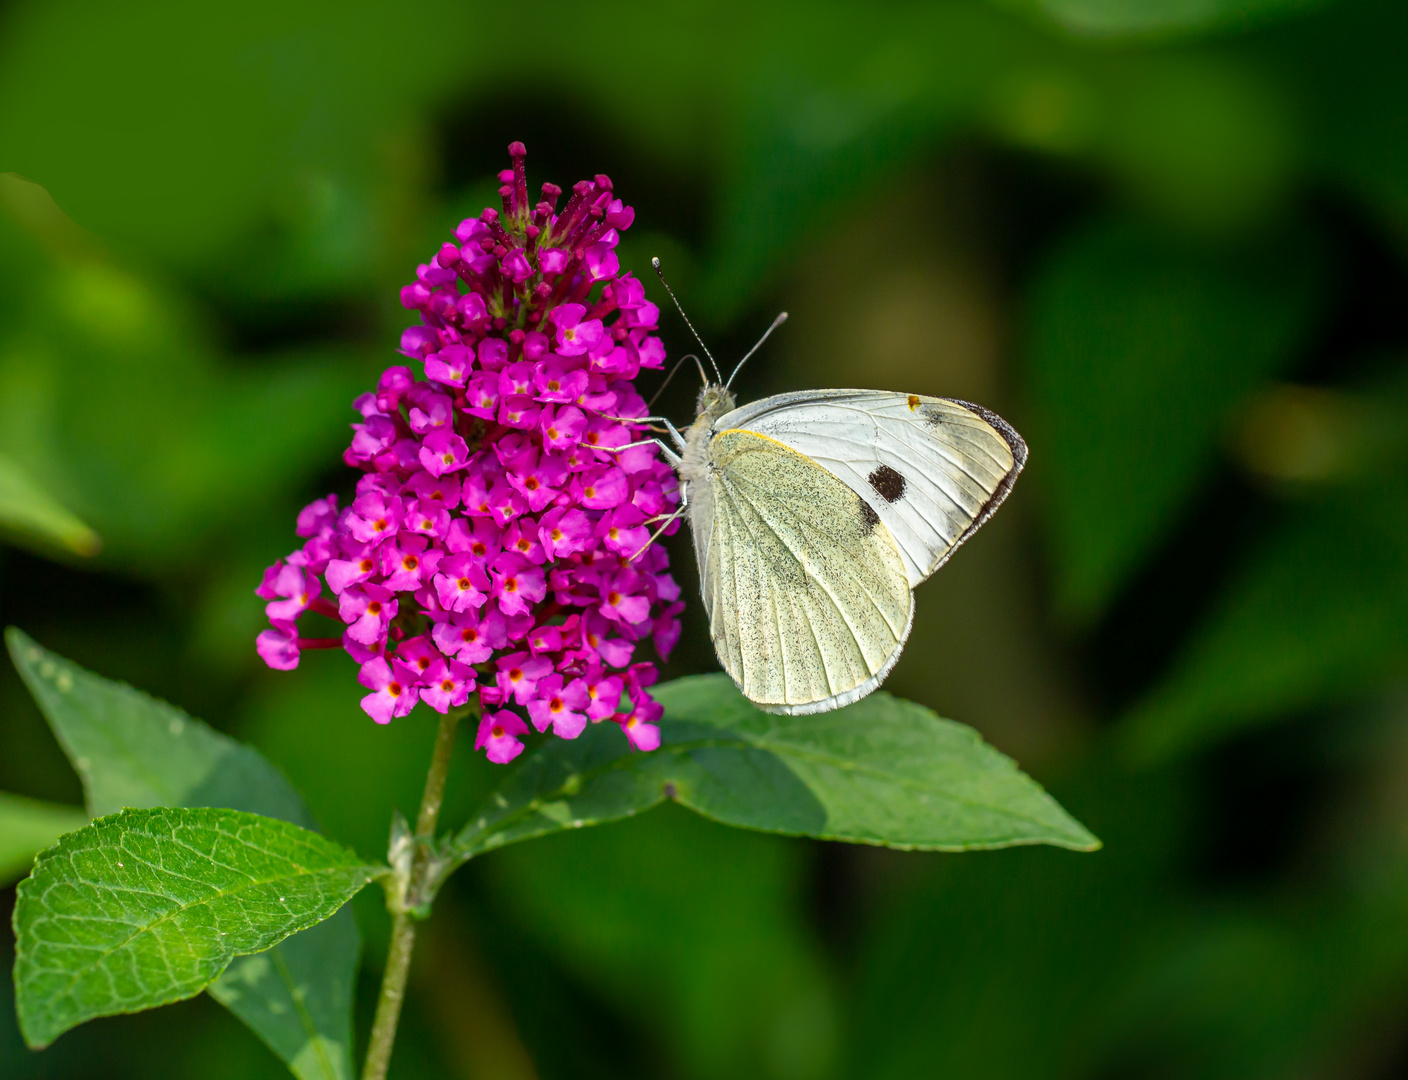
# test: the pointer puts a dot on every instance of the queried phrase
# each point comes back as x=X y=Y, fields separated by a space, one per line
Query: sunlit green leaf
x=1317 y=614
x=1139 y=349
x=28 y=826
x=882 y=771
x=147 y=907
x=132 y=750
x=29 y=514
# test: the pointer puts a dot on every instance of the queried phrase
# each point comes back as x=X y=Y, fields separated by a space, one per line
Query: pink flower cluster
x=498 y=542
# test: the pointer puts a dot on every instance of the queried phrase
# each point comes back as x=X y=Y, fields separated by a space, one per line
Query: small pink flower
x=427 y=517
x=430 y=411
x=417 y=654
x=517 y=584
x=462 y=583
x=469 y=638
x=519 y=673
x=368 y=610
x=392 y=690
x=564 y=532
x=482 y=395
x=622 y=531
x=318 y=518
x=443 y=451
x=560 y=380
x=374 y=517
x=452 y=364
x=601 y=262
x=406 y=563
x=278 y=646
x=623 y=598
x=519 y=411
x=574 y=334
x=602 y=488
x=559 y=707
x=447 y=685
x=603 y=692
x=297 y=587
x=562 y=427
x=641 y=734
x=498 y=736
x=352 y=570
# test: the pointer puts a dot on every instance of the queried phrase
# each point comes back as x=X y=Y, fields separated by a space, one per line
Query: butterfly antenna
x=782 y=318
x=661 y=388
x=661 y=274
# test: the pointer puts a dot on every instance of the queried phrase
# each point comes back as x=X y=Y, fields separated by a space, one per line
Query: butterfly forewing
x=807 y=591
x=932 y=469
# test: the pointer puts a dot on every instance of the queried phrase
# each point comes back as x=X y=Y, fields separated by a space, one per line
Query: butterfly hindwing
x=807 y=592
x=932 y=469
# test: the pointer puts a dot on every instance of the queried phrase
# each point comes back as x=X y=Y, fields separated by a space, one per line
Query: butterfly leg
x=670 y=456
x=674 y=431
x=679 y=510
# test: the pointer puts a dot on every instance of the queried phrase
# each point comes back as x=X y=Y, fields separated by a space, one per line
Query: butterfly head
x=715 y=399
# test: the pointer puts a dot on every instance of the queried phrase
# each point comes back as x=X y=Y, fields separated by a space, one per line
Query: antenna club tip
x=782 y=318
x=655 y=261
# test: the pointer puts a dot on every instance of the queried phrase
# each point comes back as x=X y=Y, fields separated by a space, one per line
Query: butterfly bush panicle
x=496 y=546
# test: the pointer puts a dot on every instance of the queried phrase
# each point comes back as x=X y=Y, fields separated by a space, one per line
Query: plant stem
x=403 y=927
x=388 y=1005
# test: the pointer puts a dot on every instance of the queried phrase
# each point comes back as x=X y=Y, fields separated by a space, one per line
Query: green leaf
x=1140 y=349
x=882 y=771
x=28 y=827
x=132 y=750
x=27 y=512
x=1317 y=614
x=147 y=907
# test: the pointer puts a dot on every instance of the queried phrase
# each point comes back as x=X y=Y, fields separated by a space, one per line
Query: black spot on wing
x=888 y=484
x=872 y=519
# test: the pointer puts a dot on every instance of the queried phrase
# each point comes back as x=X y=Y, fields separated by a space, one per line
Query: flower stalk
x=416 y=873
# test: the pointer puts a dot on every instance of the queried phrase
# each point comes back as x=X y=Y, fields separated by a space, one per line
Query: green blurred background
x=1168 y=239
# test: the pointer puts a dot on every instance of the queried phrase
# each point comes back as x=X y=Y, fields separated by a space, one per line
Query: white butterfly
x=814 y=516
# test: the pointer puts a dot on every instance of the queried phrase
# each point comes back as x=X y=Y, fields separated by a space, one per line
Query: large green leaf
x=1139 y=350
x=882 y=771
x=28 y=512
x=27 y=827
x=147 y=907
x=1317 y=614
x=132 y=750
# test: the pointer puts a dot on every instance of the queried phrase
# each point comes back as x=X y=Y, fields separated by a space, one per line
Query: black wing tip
x=1015 y=442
